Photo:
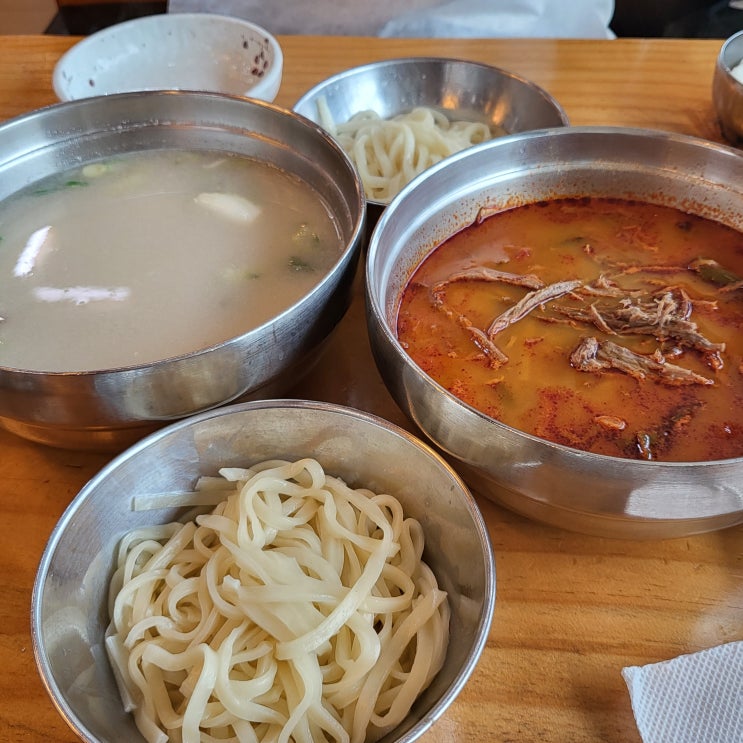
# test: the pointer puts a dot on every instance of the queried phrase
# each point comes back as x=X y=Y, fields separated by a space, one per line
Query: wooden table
x=571 y=610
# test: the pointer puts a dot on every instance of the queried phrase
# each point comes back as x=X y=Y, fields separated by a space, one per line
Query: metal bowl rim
x=418 y=60
x=351 y=72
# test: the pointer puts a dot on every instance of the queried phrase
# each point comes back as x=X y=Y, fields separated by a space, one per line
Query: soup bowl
x=69 y=605
x=560 y=485
x=108 y=408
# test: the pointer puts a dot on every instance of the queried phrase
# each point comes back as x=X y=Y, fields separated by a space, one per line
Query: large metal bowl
x=566 y=487
x=69 y=605
x=109 y=409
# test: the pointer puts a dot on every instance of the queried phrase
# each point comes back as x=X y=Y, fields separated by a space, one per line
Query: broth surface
x=149 y=256
x=616 y=338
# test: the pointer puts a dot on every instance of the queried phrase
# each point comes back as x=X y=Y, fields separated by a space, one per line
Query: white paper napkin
x=695 y=698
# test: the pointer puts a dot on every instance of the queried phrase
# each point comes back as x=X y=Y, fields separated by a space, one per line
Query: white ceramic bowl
x=173 y=51
x=460 y=88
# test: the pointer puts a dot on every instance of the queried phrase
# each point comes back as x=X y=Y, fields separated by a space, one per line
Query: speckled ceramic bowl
x=173 y=51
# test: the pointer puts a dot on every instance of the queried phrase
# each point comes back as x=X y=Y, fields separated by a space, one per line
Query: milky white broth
x=149 y=256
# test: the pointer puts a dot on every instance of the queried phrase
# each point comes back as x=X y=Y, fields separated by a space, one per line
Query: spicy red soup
x=607 y=325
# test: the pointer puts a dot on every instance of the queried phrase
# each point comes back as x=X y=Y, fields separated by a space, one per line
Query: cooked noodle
x=389 y=153
x=299 y=610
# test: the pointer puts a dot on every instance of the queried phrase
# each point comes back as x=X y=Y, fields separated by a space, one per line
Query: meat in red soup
x=607 y=325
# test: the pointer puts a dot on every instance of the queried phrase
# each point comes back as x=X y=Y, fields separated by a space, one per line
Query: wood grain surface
x=571 y=610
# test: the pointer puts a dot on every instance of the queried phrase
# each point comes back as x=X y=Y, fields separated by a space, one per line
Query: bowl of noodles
x=561 y=312
x=270 y=568
x=397 y=117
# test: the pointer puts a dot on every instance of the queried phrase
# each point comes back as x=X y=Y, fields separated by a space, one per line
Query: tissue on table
x=695 y=698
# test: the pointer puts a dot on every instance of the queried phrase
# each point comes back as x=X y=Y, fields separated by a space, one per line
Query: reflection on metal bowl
x=566 y=487
x=110 y=408
x=69 y=605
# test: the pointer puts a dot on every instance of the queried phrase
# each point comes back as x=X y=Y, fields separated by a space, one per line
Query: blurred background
x=647 y=18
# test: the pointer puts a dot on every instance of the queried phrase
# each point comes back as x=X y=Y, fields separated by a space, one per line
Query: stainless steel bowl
x=109 y=409
x=727 y=91
x=470 y=90
x=69 y=605
x=562 y=486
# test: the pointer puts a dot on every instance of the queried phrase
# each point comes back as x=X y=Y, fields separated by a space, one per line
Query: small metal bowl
x=69 y=604
x=460 y=88
x=109 y=409
x=566 y=487
x=727 y=90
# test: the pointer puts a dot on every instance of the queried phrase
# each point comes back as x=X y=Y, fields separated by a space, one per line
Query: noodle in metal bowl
x=391 y=152
x=299 y=609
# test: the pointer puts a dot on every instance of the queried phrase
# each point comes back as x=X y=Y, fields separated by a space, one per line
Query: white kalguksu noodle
x=389 y=153
x=299 y=610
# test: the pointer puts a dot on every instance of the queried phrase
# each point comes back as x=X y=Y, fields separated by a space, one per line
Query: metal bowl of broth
x=559 y=484
x=168 y=252
x=70 y=610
